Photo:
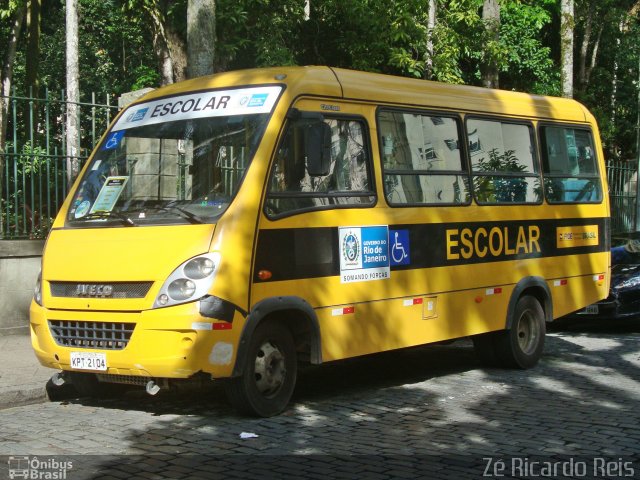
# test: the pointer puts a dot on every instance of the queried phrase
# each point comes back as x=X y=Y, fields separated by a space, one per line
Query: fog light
x=163 y=299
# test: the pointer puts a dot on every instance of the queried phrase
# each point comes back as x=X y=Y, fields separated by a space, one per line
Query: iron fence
x=33 y=163
x=622 y=179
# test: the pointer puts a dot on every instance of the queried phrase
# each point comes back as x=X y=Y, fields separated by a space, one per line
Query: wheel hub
x=528 y=332
x=270 y=370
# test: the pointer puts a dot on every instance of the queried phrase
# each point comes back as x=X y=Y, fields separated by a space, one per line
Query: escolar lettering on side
x=479 y=242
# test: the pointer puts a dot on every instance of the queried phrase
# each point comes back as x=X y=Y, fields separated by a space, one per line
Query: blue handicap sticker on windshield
x=113 y=140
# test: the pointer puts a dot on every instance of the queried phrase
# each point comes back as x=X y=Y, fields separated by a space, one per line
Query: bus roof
x=388 y=90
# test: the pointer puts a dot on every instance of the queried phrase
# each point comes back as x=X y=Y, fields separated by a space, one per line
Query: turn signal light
x=264 y=274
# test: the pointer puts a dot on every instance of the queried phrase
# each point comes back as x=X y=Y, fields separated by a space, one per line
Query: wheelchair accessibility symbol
x=113 y=140
x=399 y=240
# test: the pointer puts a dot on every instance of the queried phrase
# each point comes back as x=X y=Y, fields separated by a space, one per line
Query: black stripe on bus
x=300 y=253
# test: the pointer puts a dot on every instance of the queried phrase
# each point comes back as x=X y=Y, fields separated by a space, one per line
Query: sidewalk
x=22 y=379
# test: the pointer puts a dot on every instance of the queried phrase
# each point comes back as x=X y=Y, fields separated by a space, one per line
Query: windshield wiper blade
x=184 y=213
x=190 y=216
x=110 y=214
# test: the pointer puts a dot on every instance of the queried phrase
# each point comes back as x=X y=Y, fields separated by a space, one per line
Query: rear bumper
x=172 y=342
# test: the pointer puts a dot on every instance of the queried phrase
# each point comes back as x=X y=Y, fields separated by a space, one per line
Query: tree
x=201 y=37
x=165 y=18
x=566 y=46
x=528 y=63
x=491 y=19
x=590 y=41
x=16 y=14
x=33 y=46
x=431 y=25
x=73 y=91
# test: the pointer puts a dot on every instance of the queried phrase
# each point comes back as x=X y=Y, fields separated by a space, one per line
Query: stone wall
x=19 y=267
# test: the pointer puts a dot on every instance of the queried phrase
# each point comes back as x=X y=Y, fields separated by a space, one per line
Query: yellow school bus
x=233 y=226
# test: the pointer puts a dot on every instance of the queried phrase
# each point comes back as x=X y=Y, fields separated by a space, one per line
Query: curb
x=25 y=396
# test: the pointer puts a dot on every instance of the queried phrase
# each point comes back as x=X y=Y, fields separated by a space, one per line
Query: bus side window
x=503 y=162
x=348 y=183
x=421 y=159
x=569 y=164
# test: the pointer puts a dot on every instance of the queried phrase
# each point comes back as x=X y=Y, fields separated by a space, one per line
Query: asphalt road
x=429 y=412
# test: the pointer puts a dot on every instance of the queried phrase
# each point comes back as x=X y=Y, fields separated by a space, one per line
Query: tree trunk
x=307 y=10
x=584 y=47
x=165 y=64
x=594 y=56
x=201 y=35
x=33 y=63
x=73 y=91
x=33 y=46
x=566 y=47
x=431 y=25
x=491 y=18
x=6 y=75
x=178 y=52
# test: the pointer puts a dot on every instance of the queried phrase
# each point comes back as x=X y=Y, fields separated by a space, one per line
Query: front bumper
x=610 y=308
x=172 y=342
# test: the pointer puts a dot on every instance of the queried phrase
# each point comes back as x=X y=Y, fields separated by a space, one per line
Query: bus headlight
x=181 y=289
x=199 y=267
x=37 y=291
x=190 y=281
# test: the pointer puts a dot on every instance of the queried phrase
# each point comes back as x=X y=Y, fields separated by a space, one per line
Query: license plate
x=591 y=310
x=89 y=361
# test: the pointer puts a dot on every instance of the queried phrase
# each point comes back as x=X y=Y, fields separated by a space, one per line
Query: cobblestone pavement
x=429 y=411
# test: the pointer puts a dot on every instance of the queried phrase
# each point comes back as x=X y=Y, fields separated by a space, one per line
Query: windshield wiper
x=186 y=213
x=110 y=214
x=192 y=217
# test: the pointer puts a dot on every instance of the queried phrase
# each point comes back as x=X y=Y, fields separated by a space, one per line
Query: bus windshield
x=171 y=161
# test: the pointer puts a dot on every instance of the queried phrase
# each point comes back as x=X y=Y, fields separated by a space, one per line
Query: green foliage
x=527 y=64
x=145 y=77
x=388 y=36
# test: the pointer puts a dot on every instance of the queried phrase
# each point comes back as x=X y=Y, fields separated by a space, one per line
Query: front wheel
x=269 y=377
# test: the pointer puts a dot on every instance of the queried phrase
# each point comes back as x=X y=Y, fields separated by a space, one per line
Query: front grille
x=124 y=379
x=101 y=335
x=118 y=289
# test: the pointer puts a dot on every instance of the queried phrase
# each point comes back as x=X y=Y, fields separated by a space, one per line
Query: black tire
x=87 y=385
x=269 y=377
x=521 y=346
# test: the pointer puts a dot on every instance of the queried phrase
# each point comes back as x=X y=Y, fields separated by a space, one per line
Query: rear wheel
x=267 y=382
x=520 y=346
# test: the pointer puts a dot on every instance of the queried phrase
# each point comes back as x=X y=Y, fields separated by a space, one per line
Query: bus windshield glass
x=174 y=160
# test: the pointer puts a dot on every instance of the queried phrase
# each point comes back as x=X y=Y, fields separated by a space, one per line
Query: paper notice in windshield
x=109 y=194
x=218 y=103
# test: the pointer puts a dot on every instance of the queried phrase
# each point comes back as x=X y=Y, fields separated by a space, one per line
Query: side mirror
x=317 y=148
x=316 y=137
